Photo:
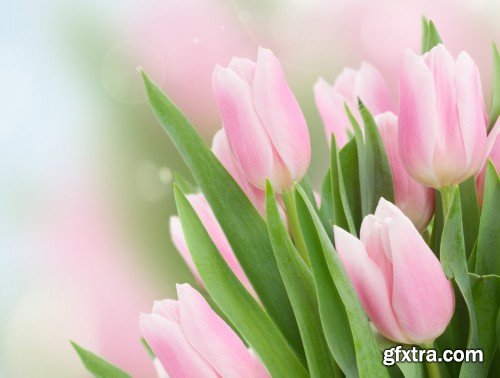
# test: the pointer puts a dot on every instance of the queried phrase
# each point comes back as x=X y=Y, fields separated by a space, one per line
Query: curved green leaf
x=437 y=224
x=488 y=243
x=99 y=367
x=470 y=213
x=453 y=259
x=344 y=321
x=486 y=295
x=430 y=35
x=234 y=300
x=376 y=160
x=244 y=227
x=300 y=288
x=341 y=212
x=350 y=172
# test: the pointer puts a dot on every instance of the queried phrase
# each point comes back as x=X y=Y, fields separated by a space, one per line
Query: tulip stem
x=432 y=367
x=446 y=199
x=293 y=222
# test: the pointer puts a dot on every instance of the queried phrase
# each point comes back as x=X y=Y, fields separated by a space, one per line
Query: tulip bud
x=398 y=279
x=191 y=340
x=264 y=124
x=493 y=152
x=366 y=83
x=442 y=117
x=415 y=200
x=213 y=228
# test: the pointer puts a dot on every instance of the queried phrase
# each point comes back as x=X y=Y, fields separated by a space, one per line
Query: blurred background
x=86 y=171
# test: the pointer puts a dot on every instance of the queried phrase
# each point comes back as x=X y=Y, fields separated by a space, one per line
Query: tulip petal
x=221 y=149
x=160 y=370
x=422 y=297
x=415 y=200
x=372 y=89
x=417 y=129
x=369 y=284
x=471 y=111
x=170 y=346
x=345 y=84
x=245 y=68
x=243 y=127
x=168 y=309
x=281 y=115
x=375 y=239
x=449 y=152
x=332 y=111
x=211 y=337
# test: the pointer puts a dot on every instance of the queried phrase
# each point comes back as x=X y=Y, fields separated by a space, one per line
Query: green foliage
x=233 y=299
x=488 y=243
x=453 y=259
x=486 y=295
x=301 y=291
x=344 y=321
x=99 y=367
x=430 y=35
x=243 y=226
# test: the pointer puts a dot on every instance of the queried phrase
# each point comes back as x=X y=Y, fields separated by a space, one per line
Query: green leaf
x=305 y=184
x=488 y=243
x=430 y=36
x=341 y=212
x=98 y=366
x=243 y=226
x=184 y=184
x=425 y=33
x=486 y=294
x=376 y=161
x=495 y=103
x=437 y=224
x=326 y=208
x=470 y=213
x=350 y=173
x=365 y=174
x=455 y=336
x=344 y=321
x=299 y=284
x=453 y=259
x=234 y=300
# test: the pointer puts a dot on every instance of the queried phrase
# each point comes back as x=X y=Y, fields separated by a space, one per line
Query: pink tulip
x=221 y=149
x=493 y=152
x=442 y=117
x=416 y=201
x=191 y=340
x=264 y=124
x=398 y=279
x=213 y=228
x=366 y=83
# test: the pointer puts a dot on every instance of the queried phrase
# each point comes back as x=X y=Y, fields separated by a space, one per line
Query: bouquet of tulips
x=391 y=263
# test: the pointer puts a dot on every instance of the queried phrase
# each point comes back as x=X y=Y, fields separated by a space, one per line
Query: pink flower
x=213 y=228
x=221 y=149
x=493 y=152
x=416 y=201
x=398 y=279
x=264 y=124
x=366 y=83
x=191 y=340
x=442 y=117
